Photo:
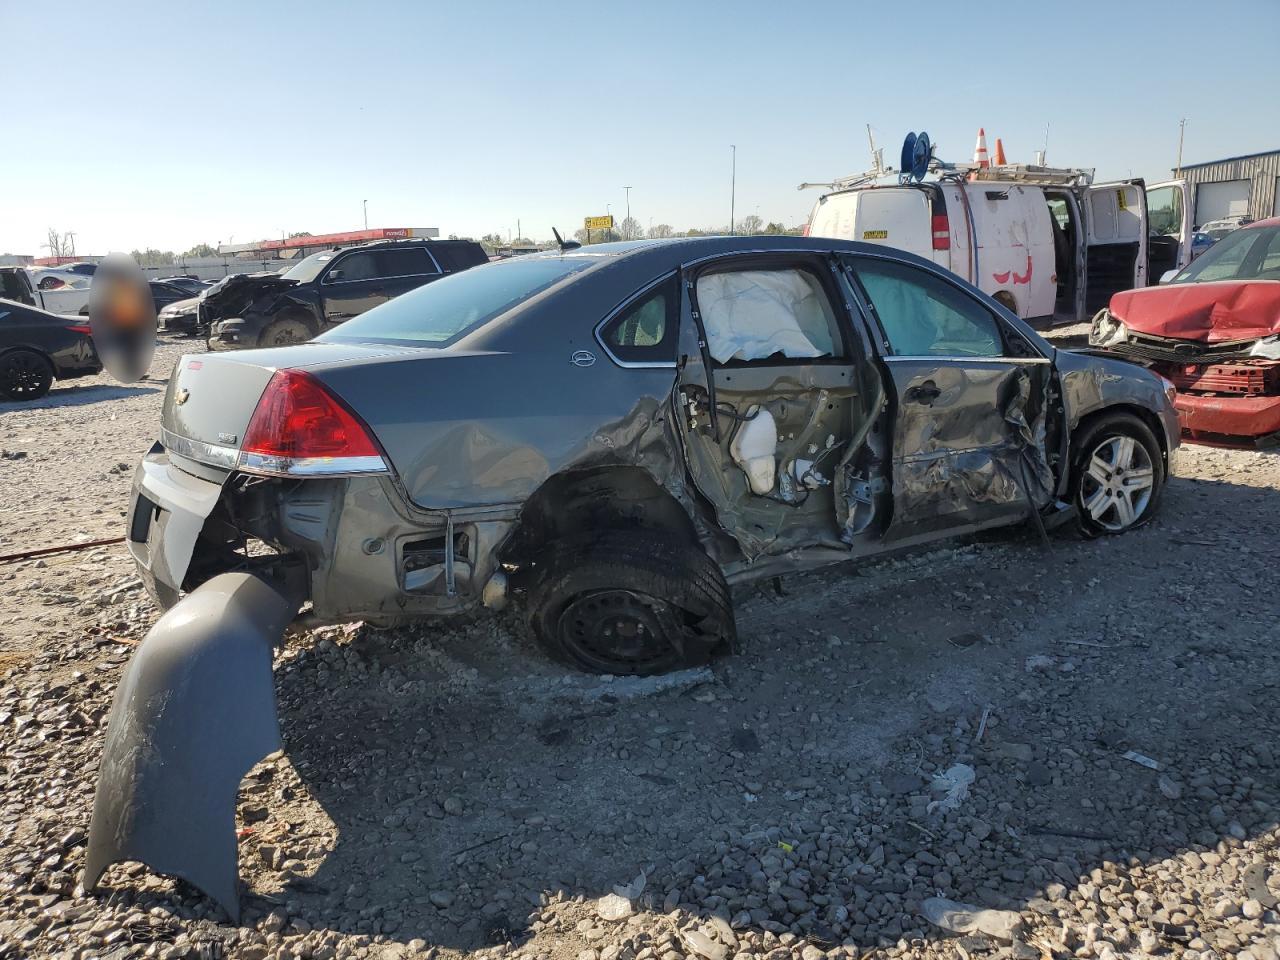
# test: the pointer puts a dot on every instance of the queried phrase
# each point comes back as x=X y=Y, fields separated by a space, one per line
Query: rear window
x=458 y=256
x=441 y=312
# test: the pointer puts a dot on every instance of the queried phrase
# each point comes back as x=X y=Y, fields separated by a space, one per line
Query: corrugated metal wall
x=1262 y=170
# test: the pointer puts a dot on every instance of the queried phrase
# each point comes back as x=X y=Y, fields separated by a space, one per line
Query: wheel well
x=295 y=311
x=1005 y=299
x=607 y=498
x=1142 y=413
x=36 y=350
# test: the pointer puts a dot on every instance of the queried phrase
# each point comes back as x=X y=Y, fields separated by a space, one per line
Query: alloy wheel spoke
x=1099 y=469
x=1138 y=479
x=1124 y=508
x=1098 y=504
x=1123 y=452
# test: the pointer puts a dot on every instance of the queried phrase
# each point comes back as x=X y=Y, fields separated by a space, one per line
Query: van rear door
x=1169 y=228
x=897 y=217
x=1115 y=240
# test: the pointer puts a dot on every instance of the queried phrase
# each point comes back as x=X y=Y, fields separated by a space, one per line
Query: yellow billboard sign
x=598 y=223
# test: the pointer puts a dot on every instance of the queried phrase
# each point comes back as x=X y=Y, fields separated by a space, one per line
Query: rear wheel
x=630 y=602
x=1117 y=475
x=25 y=375
x=285 y=331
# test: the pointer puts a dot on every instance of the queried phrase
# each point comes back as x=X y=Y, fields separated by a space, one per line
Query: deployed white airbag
x=753 y=448
x=754 y=314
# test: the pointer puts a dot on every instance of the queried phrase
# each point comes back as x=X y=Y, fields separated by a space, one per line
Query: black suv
x=324 y=289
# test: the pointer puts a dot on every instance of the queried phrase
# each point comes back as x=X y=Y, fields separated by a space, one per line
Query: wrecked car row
x=1214 y=331
x=611 y=437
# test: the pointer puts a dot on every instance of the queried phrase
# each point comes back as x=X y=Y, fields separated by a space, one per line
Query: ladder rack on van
x=1030 y=173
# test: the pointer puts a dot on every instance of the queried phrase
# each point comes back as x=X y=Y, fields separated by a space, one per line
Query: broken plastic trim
x=195 y=710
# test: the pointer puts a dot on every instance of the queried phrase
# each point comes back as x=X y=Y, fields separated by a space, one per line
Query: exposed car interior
x=784 y=409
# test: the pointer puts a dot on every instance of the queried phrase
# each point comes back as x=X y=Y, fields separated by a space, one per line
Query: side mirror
x=1168 y=275
x=333 y=276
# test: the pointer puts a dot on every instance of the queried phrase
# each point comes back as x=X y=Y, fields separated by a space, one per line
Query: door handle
x=924 y=393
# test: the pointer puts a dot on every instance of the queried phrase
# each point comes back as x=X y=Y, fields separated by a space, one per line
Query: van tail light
x=941 y=232
x=299 y=428
x=804 y=231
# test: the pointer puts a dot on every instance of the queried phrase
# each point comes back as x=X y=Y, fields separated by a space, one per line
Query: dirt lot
x=446 y=791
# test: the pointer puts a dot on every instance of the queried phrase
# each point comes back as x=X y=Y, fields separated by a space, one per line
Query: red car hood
x=1209 y=312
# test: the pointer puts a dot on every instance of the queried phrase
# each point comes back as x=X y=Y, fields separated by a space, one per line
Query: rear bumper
x=369 y=555
x=167 y=511
x=1228 y=416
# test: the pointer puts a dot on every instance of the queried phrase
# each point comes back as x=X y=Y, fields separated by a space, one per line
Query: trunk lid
x=212 y=396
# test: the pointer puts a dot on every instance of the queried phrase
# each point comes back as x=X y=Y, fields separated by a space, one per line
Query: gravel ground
x=445 y=791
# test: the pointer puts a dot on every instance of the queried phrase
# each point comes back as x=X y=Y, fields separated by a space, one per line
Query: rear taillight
x=804 y=231
x=301 y=429
x=78 y=328
x=941 y=232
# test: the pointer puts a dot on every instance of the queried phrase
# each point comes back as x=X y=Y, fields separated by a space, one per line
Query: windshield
x=444 y=310
x=304 y=271
x=1249 y=254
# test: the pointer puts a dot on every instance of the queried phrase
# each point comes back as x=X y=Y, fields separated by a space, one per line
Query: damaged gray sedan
x=612 y=437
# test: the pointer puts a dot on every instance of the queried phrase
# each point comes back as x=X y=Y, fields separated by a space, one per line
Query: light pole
x=733 y=182
x=366 y=214
x=1182 y=129
x=628 y=189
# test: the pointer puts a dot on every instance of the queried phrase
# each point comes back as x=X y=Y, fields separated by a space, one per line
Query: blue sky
x=167 y=125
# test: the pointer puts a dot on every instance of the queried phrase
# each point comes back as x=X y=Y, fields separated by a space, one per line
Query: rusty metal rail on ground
x=45 y=551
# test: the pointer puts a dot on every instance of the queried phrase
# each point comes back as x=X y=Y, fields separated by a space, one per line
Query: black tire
x=285 y=331
x=25 y=375
x=630 y=602
x=1087 y=478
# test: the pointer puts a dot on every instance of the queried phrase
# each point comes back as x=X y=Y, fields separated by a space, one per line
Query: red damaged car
x=1214 y=331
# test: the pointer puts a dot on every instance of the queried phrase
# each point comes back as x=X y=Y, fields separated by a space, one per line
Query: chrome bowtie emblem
x=183 y=395
x=582 y=358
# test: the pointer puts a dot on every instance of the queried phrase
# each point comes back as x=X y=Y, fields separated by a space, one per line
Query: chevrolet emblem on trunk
x=182 y=396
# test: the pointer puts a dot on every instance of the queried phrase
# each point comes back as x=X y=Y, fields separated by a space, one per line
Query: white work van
x=1049 y=244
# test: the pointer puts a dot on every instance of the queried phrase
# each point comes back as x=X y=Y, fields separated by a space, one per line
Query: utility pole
x=366 y=214
x=518 y=233
x=1182 y=130
x=733 y=182
x=628 y=189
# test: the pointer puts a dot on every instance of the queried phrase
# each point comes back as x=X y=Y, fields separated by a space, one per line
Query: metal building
x=1247 y=186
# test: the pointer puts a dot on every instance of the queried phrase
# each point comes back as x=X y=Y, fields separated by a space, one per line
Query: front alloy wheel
x=1117 y=484
x=1118 y=473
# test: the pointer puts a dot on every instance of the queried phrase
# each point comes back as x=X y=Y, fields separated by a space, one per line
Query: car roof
x=1269 y=222
x=696 y=247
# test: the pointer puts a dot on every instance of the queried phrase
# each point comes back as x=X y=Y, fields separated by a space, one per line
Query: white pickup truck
x=16 y=285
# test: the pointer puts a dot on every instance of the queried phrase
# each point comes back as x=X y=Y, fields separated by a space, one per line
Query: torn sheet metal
x=1209 y=312
x=969 y=439
x=195 y=710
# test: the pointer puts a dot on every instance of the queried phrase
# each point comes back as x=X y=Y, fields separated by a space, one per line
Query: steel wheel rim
x=1117 y=484
x=616 y=630
x=23 y=375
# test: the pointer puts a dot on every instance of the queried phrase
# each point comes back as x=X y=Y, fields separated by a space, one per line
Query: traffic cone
x=1000 y=160
x=980 y=150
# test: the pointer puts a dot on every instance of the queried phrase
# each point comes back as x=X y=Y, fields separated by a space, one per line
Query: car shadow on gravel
x=1115 y=700
x=79 y=395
